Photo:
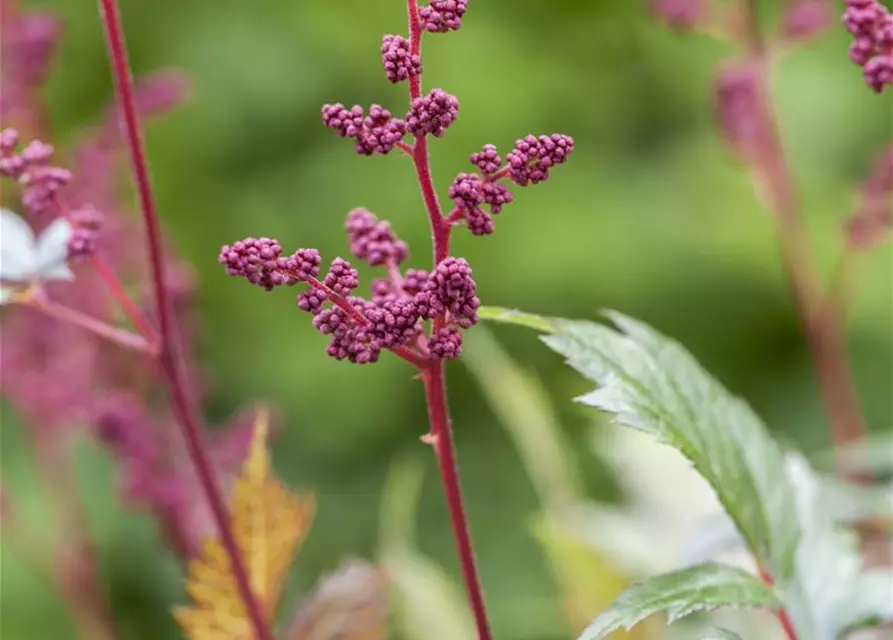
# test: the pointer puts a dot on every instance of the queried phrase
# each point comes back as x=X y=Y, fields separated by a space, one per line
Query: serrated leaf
x=680 y=593
x=652 y=384
x=828 y=594
x=269 y=523
x=349 y=604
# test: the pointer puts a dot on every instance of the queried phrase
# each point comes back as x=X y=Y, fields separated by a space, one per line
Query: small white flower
x=26 y=260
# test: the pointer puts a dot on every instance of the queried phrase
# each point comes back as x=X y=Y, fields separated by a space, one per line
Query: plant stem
x=441 y=438
x=116 y=289
x=782 y=613
x=821 y=324
x=441 y=431
x=120 y=295
x=406 y=354
x=842 y=285
x=89 y=323
x=167 y=333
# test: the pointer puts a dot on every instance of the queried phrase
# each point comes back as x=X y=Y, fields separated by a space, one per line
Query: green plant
x=807 y=564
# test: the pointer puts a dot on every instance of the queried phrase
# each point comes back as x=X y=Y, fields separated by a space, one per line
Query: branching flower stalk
x=167 y=340
x=404 y=303
x=821 y=325
x=746 y=119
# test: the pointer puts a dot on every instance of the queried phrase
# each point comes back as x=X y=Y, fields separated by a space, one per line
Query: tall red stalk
x=167 y=347
x=821 y=323
x=441 y=433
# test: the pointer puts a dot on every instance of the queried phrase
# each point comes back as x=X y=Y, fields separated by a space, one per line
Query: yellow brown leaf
x=269 y=523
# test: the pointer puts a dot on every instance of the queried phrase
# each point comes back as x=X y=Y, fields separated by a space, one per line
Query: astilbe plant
x=417 y=315
x=75 y=229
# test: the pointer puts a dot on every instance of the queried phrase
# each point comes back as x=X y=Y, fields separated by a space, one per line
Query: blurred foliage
x=650 y=216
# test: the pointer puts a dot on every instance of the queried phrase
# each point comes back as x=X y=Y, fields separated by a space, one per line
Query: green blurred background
x=651 y=216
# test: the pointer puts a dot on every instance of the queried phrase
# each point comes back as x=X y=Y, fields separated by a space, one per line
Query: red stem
x=821 y=324
x=441 y=438
x=782 y=613
x=120 y=295
x=167 y=335
x=441 y=434
x=411 y=357
x=89 y=323
x=114 y=285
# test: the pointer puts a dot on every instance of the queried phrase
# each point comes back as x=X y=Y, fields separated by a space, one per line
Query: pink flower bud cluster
x=871 y=25
x=398 y=60
x=527 y=163
x=400 y=304
x=32 y=169
x=360 y=329
x=376 y=133
x=443 y=15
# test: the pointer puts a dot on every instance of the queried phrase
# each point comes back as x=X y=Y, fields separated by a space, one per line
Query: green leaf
x=872 y=604
x=651 y=383
x=828 y=594
x=522 y=405
x=681 y=593
x=427 y=602
x=520 y=318
x=721 y=634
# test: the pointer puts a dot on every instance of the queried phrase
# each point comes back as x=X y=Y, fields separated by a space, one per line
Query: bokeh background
x=652 y=216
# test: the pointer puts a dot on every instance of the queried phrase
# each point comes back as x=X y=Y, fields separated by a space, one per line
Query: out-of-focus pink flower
x=872 y=222
x=804 y=19
x=27 y=43
x=738 y=108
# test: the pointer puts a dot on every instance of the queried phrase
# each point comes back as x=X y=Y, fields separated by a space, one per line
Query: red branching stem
x=454 y=216
x=116 y=289
x=441 y=434
x=96 y=326
x=499 y=175
x=394 y=274
x=167 y=333
x=415 y=42
x=821 y=324
x=782 y=614
x=417 y=360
